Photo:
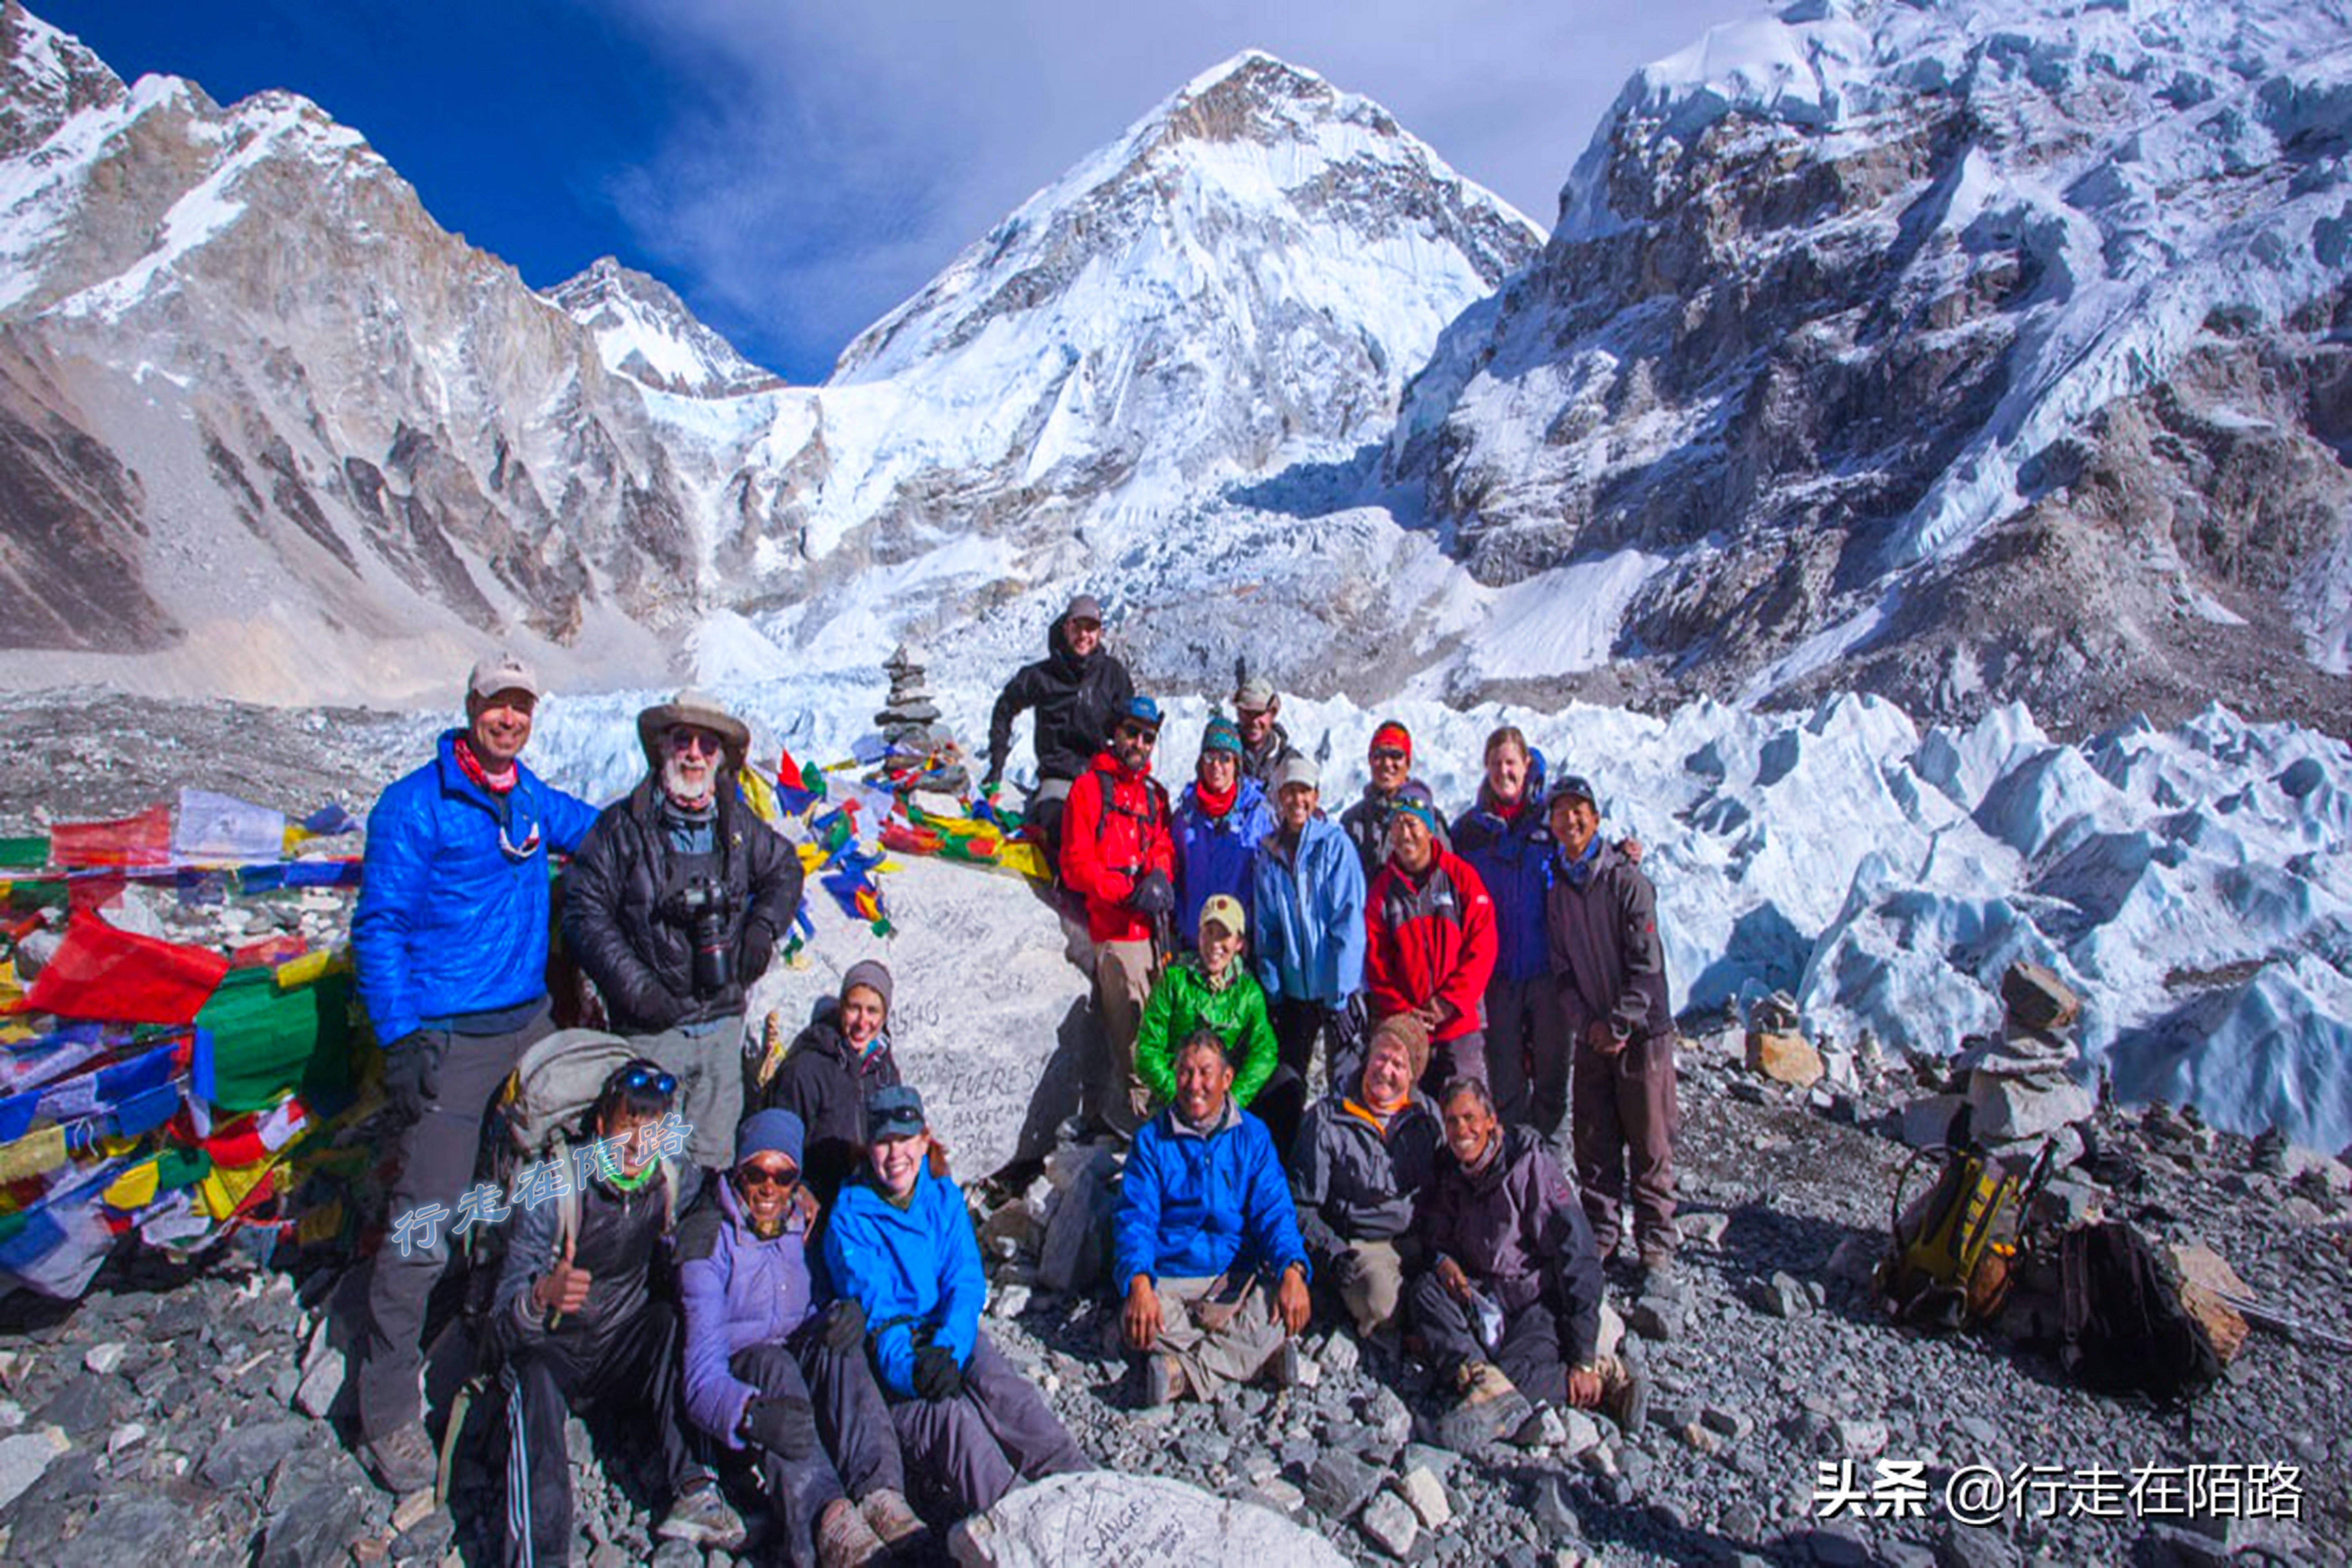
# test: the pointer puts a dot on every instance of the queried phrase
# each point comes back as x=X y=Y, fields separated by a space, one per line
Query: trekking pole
x=2292 y=1330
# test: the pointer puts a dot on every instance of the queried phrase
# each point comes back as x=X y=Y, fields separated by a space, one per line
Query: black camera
x=708 y=911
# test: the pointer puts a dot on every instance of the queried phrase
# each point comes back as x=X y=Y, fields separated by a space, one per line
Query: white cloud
x=831 y=158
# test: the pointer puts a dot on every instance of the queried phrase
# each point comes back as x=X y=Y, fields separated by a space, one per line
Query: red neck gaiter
x=472 y=766
x=1216 y=804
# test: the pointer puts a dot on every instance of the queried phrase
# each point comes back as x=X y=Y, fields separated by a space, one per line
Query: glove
x=783 y=1426
x=937 y=1376
x=753 y=952
x=844 y=1325
x=412 y=1071
x=1153 y=894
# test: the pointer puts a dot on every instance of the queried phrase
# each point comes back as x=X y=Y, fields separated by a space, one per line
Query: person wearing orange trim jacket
x=450 y=940
x=1118 y=855
x=1430 y=945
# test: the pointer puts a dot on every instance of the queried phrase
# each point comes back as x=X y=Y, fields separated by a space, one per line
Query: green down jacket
x=1181 y=1003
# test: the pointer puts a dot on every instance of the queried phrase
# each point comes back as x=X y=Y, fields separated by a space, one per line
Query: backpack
x=2124 y=1326
x=1955 y=1247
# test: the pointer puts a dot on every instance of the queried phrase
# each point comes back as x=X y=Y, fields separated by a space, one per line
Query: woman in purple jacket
x=758 y=1347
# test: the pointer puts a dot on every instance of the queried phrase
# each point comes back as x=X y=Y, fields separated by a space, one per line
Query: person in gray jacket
x=1600 y=920
x=1363 y=1157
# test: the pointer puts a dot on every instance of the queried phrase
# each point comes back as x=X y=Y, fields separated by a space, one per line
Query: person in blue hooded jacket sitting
x=1206 y=1246
x=900 y=1244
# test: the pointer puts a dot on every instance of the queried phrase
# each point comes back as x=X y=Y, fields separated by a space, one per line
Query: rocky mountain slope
x=645 y=332
x=1963 y=353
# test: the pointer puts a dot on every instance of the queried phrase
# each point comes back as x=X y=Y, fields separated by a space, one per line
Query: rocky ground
x=197 y=1404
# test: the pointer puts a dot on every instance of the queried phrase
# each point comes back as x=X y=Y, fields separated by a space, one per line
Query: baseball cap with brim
x=1085 y=607
x=894 y=1113
x=1571 y=787
x=1297 y=769
x=1139 y=710
x=1255 y=695
x=697 y=709
x=1226 y=910
x=503 y=672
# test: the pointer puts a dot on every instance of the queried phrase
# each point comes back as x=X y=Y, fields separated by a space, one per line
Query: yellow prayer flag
x=37 y=1153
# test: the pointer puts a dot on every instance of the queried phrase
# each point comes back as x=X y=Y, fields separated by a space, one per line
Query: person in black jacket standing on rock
x=835 y=1066
x=1078 y=689
x=673 y=906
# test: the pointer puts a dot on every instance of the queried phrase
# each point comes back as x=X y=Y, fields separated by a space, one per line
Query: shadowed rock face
x=70 y=529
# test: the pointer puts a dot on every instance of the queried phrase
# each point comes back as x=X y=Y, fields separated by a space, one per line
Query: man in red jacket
x=1118 y=855
x=1430 y=944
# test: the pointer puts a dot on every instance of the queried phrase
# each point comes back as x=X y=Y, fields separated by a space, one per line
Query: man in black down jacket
x=1077 y=689
x=674 y=906
x=833 y=1067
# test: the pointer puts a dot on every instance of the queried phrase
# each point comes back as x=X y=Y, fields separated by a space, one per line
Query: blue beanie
x=771 y=1132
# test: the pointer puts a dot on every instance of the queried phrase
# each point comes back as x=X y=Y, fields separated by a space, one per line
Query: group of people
x=805 y=1285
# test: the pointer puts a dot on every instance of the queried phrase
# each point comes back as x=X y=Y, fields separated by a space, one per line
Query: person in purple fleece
x=768 y=1368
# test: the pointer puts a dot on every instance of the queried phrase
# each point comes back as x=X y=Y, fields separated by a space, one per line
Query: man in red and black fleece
x=1430 y=944
x=1118 y=855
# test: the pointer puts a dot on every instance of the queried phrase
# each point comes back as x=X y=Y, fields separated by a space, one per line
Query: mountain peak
x=646 y=333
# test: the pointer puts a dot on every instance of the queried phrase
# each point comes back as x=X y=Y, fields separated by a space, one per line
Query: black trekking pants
x=1529 y=1355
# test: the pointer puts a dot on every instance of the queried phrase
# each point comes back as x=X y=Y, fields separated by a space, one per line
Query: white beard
x=679 y=788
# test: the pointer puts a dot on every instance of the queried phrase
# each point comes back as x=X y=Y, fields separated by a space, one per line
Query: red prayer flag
x=120 y=977
x=141 y=840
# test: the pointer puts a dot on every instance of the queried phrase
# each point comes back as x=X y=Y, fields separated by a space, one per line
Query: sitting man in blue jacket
x=1205 y=1223
x=450 y=940
x=900 y=1244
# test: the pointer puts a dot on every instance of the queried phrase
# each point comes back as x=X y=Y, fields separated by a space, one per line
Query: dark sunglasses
x=695 y=741
x=1388 y=755
x=661 y=1083
x=1150 y=737
x=760 y=1176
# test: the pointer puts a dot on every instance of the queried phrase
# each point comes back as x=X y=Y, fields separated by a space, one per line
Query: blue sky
x=795 y=169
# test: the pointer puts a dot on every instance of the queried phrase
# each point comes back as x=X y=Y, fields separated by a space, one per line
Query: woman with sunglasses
x=582 y=1323
x=768 y=1369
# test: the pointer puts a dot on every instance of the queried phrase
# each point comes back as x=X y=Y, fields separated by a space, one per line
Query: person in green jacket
x=1212 y=988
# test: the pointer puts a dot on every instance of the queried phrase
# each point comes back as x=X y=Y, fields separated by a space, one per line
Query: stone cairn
x=2019 y=1086
x=909 y=721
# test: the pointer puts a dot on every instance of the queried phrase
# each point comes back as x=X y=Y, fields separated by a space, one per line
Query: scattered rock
x=24 y=1456
x=1425 y=1494
x=1339 y=1485
x=1784 y=1059
x=102 y=1359
x=1783 y=1296
x=1704 y=1230
x=322 y=1380
x=1859 y=1440
x=1101 y=1517
x=1391 y=1524
x=249 y=1452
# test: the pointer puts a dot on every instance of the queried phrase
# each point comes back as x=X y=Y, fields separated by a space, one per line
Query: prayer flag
x=102 y=972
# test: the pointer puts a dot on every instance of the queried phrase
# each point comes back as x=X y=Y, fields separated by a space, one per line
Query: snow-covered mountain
x=277 y=434
x=645 y=332
x=1963 y=350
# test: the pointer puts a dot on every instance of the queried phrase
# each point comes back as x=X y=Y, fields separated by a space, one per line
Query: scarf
x=472 y=766
x=609 y=1172
x=1509 y=810
x=1379 y=1116
x=1217 y=805
x=1579 y=868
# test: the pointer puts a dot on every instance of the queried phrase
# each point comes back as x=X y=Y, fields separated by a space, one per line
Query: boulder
x=998 y=1048
x=24 y=1456
x=1784 y=1059
x=1102 y=1517
x=2003 y=1106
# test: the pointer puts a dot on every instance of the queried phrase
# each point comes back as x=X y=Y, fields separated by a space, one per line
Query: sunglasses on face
x=1086 y=625
x=1138 y=732
x=1388 y=755
x=761 y=1176
x=661 y=1083
x=694 y=741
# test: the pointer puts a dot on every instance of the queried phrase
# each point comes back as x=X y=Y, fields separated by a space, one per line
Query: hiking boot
x=844 y=1540
x=403 y=1460
x=898 y=1526
x=1164 y=1379
x=1625 y=1395
x=1491 y=1408
x=700 y=1517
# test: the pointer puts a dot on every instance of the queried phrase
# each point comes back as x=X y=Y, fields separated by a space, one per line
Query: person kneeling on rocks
x=1510 y=1307
x=900 y=1244
x=1363 y=1157
x=768 y=1369
x=1204 y=1220
x=580 y=1322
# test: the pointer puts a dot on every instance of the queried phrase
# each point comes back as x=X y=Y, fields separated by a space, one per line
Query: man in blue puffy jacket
x=1207 y=1247
x=451 y=941
x=900 y=1244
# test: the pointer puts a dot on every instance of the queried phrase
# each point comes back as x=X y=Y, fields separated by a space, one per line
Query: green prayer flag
x=265 y=1041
